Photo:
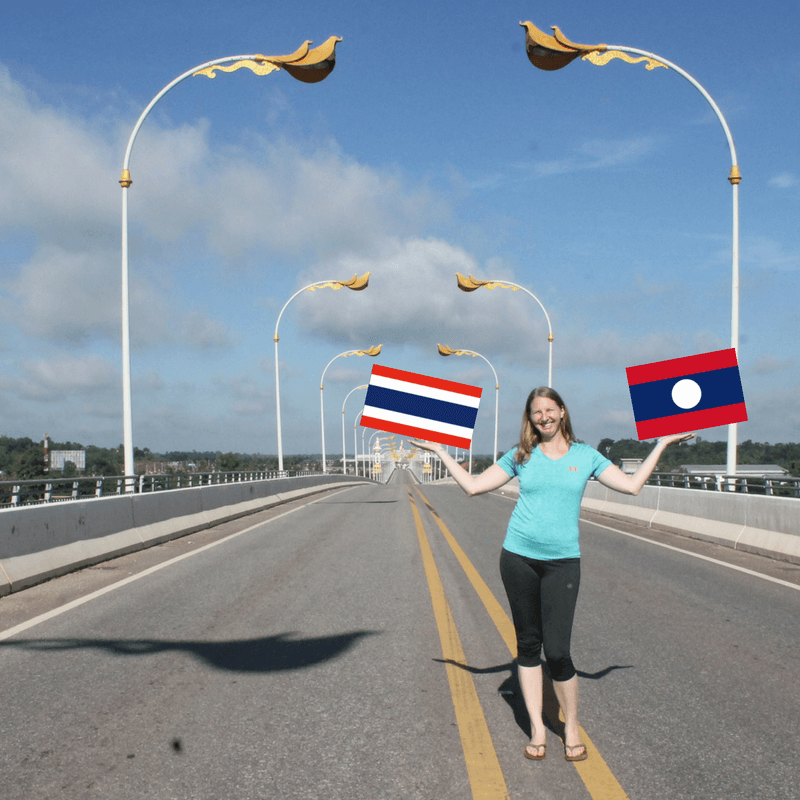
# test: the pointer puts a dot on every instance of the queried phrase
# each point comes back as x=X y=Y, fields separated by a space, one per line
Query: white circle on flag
x=686 y=393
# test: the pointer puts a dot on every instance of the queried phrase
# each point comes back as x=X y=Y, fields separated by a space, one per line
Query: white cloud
x=74 y=298
x=284 y=201
x=609 y=348
x=765 y=253
x=63 y=376
x=767 y=364
x=198 y=330
x=599 y=154
x=413 y=300
x=59 y=177
x=65 y=296
x=58 y=180
x=602 y=153
x=785 y=180
x=589 y=155
x=56 y=171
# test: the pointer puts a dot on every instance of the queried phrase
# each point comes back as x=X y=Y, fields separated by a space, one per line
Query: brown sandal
x=580 y=757
x=543 y=748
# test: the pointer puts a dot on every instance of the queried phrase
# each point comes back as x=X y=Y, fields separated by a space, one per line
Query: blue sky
x=433 y=147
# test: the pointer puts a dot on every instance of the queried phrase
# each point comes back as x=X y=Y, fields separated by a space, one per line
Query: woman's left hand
x=676 y=437
x=433 y=447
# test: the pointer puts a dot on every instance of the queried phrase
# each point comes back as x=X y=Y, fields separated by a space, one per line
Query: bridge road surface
x=297 y=654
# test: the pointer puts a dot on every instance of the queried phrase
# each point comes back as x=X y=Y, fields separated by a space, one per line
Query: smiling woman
x=540 y=559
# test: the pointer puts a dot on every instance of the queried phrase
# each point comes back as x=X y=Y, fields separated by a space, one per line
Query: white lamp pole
x=470 y=284
x=355 y=439
x=357 y=285
x=444 y=350
x=355 y=453
x=554 y=52
x=373 y=351
x=308 y=67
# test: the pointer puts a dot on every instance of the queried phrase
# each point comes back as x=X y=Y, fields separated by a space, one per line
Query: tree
x=228 y=462
x=604 y=448
x=31 y=464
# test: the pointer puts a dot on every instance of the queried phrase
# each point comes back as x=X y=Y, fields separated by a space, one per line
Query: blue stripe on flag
x=719 y=387
x=406 y=403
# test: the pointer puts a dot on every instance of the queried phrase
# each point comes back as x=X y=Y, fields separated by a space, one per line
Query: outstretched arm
x=492 y=478
x=614 y=478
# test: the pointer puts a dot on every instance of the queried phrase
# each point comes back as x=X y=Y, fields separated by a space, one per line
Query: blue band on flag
x=405 y=403
x=719 y=387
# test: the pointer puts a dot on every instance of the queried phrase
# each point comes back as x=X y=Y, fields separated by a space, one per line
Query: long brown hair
x=529 y=437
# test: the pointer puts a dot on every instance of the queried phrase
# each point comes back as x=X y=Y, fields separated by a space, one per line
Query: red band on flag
x=681 y=367
x=415 y=433
x=426 y=380
x=691 y=421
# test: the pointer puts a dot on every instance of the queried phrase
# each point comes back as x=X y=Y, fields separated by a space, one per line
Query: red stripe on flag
x=426 y=380
x=691 y=421
x=416 y=433
x=680 y=367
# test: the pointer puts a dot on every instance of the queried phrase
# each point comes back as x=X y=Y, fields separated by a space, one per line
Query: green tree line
x=23 y=459
x=700 y=451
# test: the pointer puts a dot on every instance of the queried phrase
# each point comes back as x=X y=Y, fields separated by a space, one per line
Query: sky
x=434 y=147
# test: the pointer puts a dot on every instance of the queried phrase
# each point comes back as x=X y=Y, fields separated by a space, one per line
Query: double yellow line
x=483 y=767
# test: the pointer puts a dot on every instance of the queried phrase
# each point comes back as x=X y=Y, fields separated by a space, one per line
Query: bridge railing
x=783 y=486
x=59 y=490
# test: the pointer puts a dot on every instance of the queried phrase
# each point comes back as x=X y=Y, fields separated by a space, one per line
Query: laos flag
x=420 y=406
x=686 y=394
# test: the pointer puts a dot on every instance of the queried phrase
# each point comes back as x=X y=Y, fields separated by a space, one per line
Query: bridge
x=345 y=637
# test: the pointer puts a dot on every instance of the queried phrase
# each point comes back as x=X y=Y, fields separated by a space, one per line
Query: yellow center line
x=594 y=772
x=483 y=768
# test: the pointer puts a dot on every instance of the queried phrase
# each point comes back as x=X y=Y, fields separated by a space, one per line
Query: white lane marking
x=56 y=612
x=697 y=555
x=685 y=552
x=679 y=550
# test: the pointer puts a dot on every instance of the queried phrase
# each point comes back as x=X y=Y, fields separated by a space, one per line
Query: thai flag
x=686 y=394
x=420 y=406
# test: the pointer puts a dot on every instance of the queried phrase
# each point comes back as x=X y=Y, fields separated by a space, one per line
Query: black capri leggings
x=542 y=596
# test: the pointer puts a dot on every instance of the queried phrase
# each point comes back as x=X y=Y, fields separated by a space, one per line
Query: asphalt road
x=308 y=652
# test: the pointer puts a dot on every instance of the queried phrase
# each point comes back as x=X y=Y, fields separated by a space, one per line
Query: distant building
x=630 y=465
x=58 y=458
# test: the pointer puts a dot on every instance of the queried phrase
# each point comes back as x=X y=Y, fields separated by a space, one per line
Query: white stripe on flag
x=424 y=391
x=417 y=422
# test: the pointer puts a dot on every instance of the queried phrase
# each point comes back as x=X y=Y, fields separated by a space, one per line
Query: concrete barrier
x=769 y=526
x=755 y=523
x=42 y=542
x=37 y=542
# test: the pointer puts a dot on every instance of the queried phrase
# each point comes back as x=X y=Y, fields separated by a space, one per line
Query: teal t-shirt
x=544 y=524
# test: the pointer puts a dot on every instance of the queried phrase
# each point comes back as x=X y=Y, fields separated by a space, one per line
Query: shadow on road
x=265 y=654
x=511 y=692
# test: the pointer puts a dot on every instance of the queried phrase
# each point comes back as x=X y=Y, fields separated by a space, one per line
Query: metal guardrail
x=783 y=486
x=14 y=494
x=58 y=490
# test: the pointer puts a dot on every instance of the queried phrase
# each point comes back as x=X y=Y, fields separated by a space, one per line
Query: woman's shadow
x=511 y=691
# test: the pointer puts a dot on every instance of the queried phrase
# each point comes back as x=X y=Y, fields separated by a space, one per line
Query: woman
x=540 y=559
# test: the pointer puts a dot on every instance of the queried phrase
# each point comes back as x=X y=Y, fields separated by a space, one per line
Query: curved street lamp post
x=470 y=284
x=373 y=351
x=444 y=350
x=357 y=285
x=355 y=451
x=554 y=52
x=308 y=66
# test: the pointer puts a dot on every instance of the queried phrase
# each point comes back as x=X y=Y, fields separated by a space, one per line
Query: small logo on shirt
x=573 y=469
